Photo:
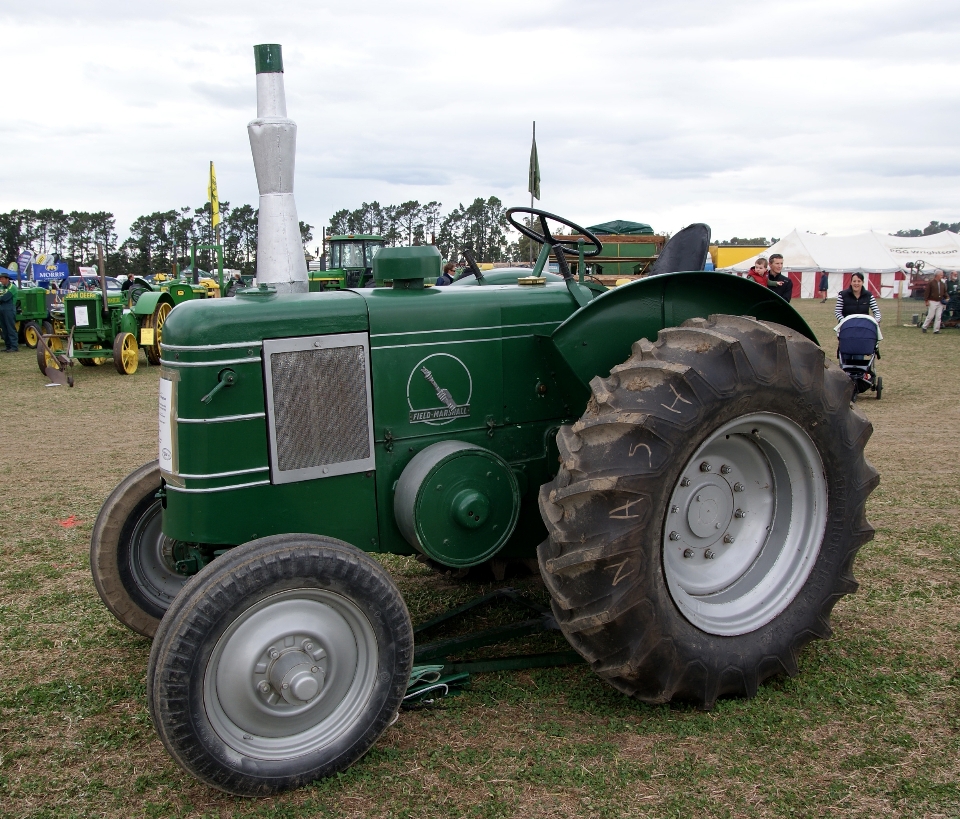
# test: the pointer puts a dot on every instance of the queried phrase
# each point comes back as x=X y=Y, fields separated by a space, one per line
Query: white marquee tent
x=881 y=257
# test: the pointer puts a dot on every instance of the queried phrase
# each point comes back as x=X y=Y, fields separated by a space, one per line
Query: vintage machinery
x=33 y=313
x=694 y=503
x=349 y=262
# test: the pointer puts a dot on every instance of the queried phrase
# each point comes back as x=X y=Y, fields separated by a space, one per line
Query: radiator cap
x=407 y=264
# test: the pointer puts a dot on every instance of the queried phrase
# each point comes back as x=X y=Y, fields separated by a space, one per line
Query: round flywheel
x=457 y=503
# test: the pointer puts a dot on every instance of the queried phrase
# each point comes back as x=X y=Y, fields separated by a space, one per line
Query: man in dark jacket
x=776 y=281
x=446 y=277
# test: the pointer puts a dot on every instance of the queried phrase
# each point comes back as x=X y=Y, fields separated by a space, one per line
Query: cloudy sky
x=756 y=116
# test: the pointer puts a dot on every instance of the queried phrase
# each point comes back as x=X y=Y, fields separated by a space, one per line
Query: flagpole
x=530 y=242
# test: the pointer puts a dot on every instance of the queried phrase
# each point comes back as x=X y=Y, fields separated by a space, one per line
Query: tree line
x=481 y=225
x=156 y=241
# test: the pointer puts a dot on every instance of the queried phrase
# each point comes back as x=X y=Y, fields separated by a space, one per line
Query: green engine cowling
x=325 y=413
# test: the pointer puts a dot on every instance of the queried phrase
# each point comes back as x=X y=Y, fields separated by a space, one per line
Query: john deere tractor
x=677 y=456
x=349 y=262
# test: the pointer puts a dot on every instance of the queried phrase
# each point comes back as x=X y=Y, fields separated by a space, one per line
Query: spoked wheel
x=132 y=561
x=30 y=334
x=46 y=359
x=126 y=353
x=155 y=323
x=281 y=662
x=708 y=510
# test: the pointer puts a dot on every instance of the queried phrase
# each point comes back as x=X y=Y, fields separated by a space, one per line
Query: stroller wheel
x=879 y=386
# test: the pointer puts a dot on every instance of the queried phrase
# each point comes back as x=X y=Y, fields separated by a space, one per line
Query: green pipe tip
x=268 y=58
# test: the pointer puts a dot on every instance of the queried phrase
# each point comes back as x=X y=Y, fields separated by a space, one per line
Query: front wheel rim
x=291 y=674
x=744 y=524
x=152 y=562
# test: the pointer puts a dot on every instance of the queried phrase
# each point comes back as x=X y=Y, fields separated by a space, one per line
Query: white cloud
x=755 y=117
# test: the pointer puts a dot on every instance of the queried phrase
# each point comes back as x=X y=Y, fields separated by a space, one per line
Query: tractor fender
x=600 y=335
x=147 y=303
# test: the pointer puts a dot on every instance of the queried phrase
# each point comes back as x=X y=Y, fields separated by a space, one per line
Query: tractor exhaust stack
x=273 y=142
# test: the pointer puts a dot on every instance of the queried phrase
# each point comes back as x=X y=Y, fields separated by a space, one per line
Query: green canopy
x=620 y=227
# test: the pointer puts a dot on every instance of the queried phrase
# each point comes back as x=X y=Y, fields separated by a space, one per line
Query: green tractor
x=33 y=314
x=349 y=262
x=676 y=456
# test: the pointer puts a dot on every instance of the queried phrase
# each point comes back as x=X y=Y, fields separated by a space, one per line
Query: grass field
x=869 y=728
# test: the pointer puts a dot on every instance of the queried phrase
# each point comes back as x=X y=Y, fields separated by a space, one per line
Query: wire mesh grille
x=320 y=407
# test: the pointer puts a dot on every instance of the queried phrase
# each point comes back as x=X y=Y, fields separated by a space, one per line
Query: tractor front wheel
x=31 y=332
x=281 y=662
x=126 y=354
x=132 y=561
x=708 y=510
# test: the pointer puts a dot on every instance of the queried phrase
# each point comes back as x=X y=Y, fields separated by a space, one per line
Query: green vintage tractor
x=349 y=262
x=677 y=455
x=33 y=314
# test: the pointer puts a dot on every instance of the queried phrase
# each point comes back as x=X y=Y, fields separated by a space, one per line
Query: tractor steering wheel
x=568 y=246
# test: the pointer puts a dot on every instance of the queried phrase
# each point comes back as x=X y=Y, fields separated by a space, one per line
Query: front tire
x=280 y=663
x=131 y=560
x=708 y=511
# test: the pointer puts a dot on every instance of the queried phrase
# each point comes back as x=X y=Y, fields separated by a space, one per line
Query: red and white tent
x=880 y=257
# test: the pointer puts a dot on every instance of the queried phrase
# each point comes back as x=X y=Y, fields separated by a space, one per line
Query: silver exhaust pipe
x=273 y=142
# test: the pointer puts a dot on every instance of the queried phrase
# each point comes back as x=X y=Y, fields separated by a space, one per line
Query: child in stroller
x=858 y=349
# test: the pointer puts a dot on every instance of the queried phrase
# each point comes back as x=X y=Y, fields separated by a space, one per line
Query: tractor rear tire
x=155 y=322
x=281 y=662
x=131 y=560
x=708 y=510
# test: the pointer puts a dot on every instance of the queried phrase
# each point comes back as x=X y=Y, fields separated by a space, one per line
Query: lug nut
x=725 y=470
x=307 y=645
x=708 y=554
x=264 y=687
x=728 y=538
x=685 y=482
x=738 y=487
x=705 y=467
x=274 y=654
x=674 y=536
x=688 y=553
x=674 y=508
x=739 y=513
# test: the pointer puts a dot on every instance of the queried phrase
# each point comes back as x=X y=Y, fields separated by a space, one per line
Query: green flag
x=533 y=182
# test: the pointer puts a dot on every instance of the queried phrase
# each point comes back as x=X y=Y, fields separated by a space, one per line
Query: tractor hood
x=254 y=315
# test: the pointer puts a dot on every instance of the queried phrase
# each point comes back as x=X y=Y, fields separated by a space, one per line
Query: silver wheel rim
x=151 y=560
x=744 y=524
x=291 y=674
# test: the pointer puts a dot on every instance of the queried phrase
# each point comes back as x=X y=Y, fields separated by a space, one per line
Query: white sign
x=166 y=426
x=81 y=316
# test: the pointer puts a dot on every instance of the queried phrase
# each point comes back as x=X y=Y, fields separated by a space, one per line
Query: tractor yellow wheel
x=93 y=362
x=30 y=334
x=155 y=323
x=126 y=353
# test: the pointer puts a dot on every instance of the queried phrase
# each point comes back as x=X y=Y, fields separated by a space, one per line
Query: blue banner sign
x=52 y=272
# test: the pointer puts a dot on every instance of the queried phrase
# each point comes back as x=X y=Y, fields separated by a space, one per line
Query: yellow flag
x=212 y=196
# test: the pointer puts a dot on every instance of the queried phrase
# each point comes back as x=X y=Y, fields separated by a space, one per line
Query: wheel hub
x=294 y=676
x=744 y=524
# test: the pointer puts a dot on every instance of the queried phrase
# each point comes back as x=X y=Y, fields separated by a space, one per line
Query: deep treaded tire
x=281 y=662
x=673 y=592
x=131 y=563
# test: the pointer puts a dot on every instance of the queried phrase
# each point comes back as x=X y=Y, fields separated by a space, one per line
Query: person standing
x=824 y=284
x=8 y=312
x=856 y=300
x=953 y=285
x=759 y=271
x=777 y=281
x=934 y=296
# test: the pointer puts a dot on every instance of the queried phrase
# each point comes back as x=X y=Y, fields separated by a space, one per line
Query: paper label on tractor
x=81 y=318
x=146 y=336
x=166 y=425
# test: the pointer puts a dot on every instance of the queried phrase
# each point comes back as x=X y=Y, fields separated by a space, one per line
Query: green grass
x=870 y=727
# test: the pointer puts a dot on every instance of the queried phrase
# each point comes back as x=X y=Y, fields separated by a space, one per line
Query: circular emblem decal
x=439 y=390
